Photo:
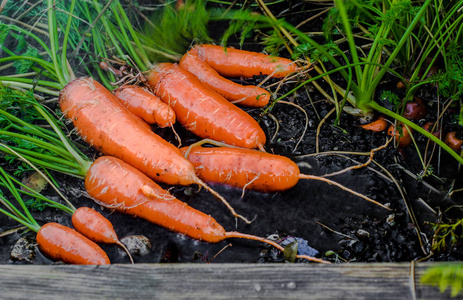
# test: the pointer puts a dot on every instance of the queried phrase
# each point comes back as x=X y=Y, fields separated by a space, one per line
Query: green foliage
x=444 y=276
x=173 y=30
x=36 y=204
x=391 y=98
x=450 y=80
x=314 y=53
x=447 y=234
x=22 y=66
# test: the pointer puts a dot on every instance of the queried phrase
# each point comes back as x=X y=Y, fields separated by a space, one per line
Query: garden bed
x=420 y=184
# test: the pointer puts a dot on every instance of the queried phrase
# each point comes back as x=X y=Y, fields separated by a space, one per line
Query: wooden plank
x=218 y=281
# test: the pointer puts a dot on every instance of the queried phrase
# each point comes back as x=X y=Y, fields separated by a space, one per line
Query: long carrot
x=110 y=128
x=145 y=105
x=249 y=95
x=251 y=169
x=140 y=196
x=201 y=110
x=62 y=243
x=231 y=62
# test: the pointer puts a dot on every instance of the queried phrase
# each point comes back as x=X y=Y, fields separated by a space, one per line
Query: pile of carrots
x=196 y=93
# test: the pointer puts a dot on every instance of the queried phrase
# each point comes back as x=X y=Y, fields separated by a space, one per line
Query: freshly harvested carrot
x=145 y=105
x=110 y=128
x=201 y=110
x=96 y=227
x=249 y=95
x=231 y=62
x=141 y=197
x=63 y=243
x=377 y=126
x=401 y=136
x=251 y=169
x=453 y=141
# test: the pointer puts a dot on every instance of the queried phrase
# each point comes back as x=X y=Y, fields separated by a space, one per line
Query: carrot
x=202 y=111
x=401 y=136
x=108 y=126
x=145 y=105
x=63 y=243
x=54 y=240
x=141 y=197
x=96 y=227
x=251 y=96
x=453 y=141
x=231 y=62
x=377 y=126
x=255 y=170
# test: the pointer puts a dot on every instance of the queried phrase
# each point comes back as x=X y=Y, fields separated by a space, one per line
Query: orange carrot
x=145 y=105
x=401 y=136
x=201 y=110
x=141 y=197
x=110 y=128
x=63 y=243
x=251 y=169
x=106 y=125
x=231 y=62
x=453 y=141
x=377 y=126
x=96 y=227
x=250 y=95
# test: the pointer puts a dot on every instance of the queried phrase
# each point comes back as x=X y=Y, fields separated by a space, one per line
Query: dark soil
x=339 y=225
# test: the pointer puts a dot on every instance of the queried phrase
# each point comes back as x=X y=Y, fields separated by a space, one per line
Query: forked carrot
x=201 y=110
x=63 y=243
x=145 y=105
x=96 y=227
x=251 y=169
x=141 y=197
x=110 y=128
x=248 y=95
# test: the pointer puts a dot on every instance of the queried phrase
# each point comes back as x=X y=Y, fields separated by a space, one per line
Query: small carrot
x=249 y=95
x=377 y=126
x=453 y=141
x=401 y=136
x=141 y=197
x=251 y=169
x=63 y=243
x=96 y=227
x=201 y=110
x=56 y=241
x=110 y=128
x=145 y=105
x=231 y=62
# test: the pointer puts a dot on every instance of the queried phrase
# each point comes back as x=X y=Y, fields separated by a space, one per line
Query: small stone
x=24 y=250
x=137 y=244
x=291 y=285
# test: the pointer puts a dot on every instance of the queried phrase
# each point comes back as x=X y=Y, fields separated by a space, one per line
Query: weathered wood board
x=217 y=281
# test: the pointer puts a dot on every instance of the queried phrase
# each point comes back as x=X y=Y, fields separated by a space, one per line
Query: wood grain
x=217 y=281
